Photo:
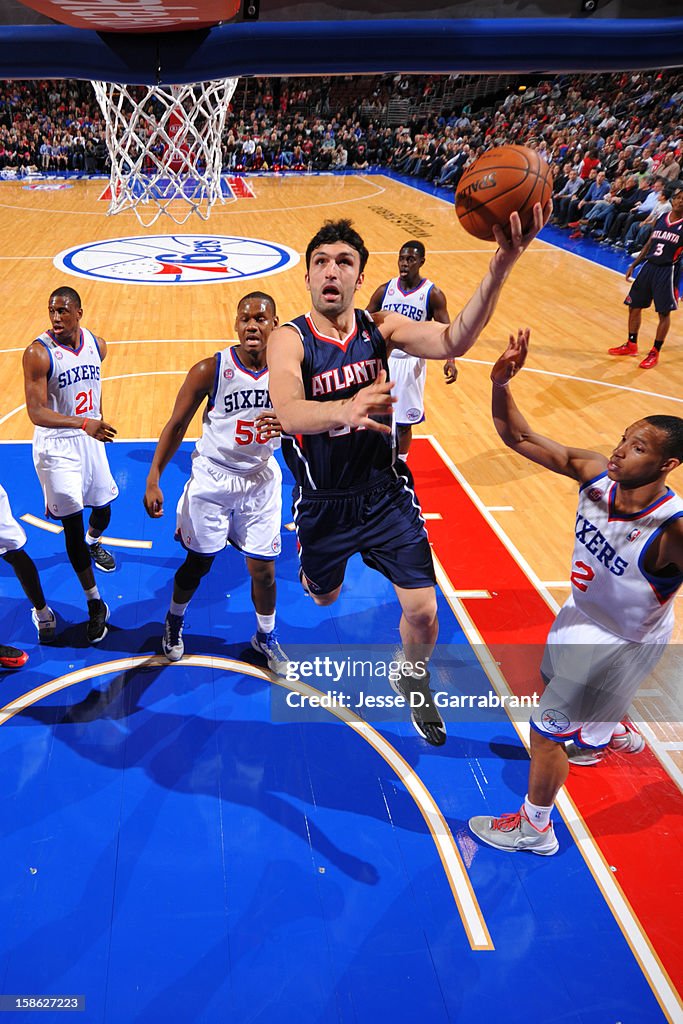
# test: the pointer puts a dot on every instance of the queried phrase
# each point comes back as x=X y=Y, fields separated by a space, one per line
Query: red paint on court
x=630 y=804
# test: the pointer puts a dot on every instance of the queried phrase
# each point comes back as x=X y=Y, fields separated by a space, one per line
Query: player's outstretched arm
x=298 y=415
x=196 y=387
x=514 y=430
x=429 y=339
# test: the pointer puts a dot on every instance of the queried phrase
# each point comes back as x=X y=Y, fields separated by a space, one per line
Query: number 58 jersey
x=230 y=435
x=609 y=581
x=74 y=386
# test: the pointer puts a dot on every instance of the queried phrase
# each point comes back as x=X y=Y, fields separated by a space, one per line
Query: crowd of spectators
x=614 y=141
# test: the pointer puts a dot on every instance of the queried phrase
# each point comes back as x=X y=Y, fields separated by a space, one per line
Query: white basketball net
x=164 y=143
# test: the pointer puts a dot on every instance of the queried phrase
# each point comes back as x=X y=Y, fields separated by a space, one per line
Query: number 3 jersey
x=230 y=435
x=609 y=581
x=74 y=385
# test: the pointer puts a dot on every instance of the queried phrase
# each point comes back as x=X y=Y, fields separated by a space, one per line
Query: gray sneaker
x=172 y=641
x=514 y=832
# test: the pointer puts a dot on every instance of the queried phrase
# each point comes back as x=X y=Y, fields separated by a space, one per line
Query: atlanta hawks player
x=614 y=627
x=234 y=494
x=62 y=379
x=331 y=394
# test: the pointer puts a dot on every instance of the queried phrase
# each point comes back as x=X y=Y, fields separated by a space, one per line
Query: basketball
x=499 y=182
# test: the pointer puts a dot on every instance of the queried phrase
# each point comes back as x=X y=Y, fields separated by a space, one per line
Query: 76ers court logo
x=176 y=259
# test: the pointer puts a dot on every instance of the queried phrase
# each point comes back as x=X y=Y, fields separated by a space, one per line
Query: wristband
x=497 y=385
x=84 y=423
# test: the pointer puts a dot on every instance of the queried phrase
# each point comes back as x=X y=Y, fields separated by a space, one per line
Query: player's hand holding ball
x=501 y=182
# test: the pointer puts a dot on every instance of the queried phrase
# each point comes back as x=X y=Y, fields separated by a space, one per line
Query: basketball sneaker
x=424 y=714
x=627 y=738
x=584 y=757
x=46 y=627
x=103 y=559
x=650 y=360
x=514 y=833
x=12 y=657
x=268 y=645
x=98 y=616
x=172 y=641
x=629 y=348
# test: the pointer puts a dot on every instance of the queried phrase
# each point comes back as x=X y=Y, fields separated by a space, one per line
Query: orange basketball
x=499 y=182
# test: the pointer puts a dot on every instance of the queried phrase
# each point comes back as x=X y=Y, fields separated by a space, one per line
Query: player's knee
x=420 y=612
x=193 y=570
x=261 y=571
x=100 y=519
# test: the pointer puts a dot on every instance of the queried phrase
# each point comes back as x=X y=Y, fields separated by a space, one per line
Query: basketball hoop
x=164 y=144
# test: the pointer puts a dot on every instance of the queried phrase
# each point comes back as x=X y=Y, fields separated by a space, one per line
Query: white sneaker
x=627 y=738
x=46 y=628
x=172 y=641
x=268 y=645
x=514 y=833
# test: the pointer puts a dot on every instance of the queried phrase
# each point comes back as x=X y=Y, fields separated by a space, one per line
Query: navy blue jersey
x=341 y=458
x=666 y=246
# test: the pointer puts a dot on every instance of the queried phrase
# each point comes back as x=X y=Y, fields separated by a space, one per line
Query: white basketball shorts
x=73 y=472
x=12 y=536
x=409 y=375
x=592 y=676
x=218 y=507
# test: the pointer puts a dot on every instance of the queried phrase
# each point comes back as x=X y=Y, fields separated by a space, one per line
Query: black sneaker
x=424 y=714
x=98 y=616
x=103 y=559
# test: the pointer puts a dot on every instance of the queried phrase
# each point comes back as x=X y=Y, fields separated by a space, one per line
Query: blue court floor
x=174 y=854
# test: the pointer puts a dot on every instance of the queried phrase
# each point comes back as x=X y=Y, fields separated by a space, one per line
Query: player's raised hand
x=512 y=359
x=153 y=501
x=512 y=245
x=100 y=430
x=375 y=400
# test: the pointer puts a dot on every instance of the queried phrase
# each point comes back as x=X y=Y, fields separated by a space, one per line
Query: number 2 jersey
x=230 y=436
x=609 y=581
x=332 y=369
x=74 y=386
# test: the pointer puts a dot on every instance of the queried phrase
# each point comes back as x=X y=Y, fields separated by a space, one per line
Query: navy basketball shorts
x=658 y=284
x=382 y=522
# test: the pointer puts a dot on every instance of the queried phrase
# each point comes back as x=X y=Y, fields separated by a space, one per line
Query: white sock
x=43 y=614
x=538 y=816
x=176 y=608
x=403 y=458
x=92 y=594
x=90 y=540
x=265 y=623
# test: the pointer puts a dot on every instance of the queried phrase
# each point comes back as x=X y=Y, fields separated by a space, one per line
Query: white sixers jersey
x=74 y=380
x=609 y=581
x=230 y=437
x=414 y=304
